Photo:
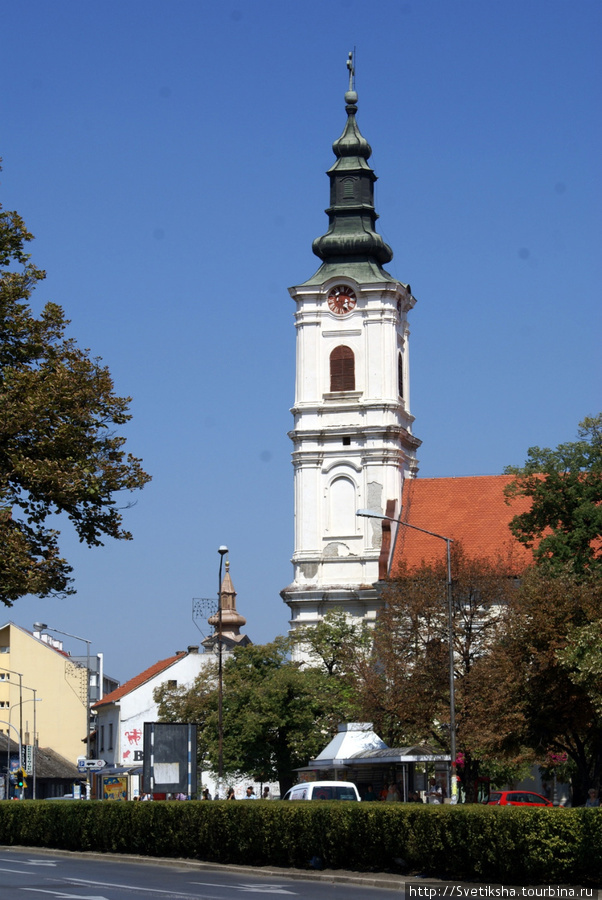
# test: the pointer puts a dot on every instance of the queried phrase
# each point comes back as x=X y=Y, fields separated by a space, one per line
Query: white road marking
x=256 y=888
x=15 y=871
x=128 y=887
x=265 y=888
x=61 y=895
x=31 y=862
x=40 y=862
x=253 y=888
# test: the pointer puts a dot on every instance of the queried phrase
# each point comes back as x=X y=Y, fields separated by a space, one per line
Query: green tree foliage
x=276 y=714
x=564 y=522
x=336 y=647
x=541 y=684
x=404 y=687
x=581 y=657
x=59 y=451
x=335 y=642
x=196 y=704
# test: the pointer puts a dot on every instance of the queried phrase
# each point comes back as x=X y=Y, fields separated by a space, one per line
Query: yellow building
x=40 y=672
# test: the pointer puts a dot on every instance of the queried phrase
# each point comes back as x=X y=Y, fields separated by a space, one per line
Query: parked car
x=323 y=790
x=516 y=798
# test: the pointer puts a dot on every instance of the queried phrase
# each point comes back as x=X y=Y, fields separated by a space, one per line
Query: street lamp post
x=41 y=626
x=370 y=514
x=34 y=774
x=4 y=722
x=22 y=763
x=220 y=677
x=21 y=702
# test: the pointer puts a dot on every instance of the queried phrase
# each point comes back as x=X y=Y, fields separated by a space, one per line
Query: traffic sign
x=94 y=764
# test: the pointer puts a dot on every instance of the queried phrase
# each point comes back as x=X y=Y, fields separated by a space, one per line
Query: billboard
x=169 y=765
x=114 y=788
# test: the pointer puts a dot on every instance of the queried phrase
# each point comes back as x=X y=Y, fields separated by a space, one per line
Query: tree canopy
x=564 y=522
x=277 y=714
x=541 y=686
x=404 y=687
x=59 y=449
x=196 y=704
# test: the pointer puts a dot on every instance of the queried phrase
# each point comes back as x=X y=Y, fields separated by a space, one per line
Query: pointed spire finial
x=351 y=95
x=351 y=68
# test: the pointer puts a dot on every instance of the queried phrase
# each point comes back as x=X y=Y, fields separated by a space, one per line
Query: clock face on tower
x=341 y=300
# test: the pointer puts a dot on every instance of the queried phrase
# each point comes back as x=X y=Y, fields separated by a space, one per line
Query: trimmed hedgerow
x=512 y=844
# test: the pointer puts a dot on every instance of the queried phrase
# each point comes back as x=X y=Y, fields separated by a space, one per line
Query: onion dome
x=351 y=237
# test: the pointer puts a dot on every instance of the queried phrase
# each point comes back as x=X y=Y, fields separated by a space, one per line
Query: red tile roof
x=137 y=680
x=471 y=509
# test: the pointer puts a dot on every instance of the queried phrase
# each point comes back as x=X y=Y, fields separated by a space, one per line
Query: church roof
x=471 y=509
x=137 y=680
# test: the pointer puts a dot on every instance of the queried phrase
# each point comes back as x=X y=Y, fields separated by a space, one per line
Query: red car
x=517 y=798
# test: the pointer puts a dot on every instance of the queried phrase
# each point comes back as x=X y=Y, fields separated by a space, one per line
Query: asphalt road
x=29 y=873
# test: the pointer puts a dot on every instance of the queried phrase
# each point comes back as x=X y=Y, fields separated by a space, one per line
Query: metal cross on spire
x=351 y=67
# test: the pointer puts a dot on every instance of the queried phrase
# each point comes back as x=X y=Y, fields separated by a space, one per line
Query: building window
x=400 y=374
x=102 y=738
x=342 y=369
x=348 y=188
x=110 y=747
x=342 y=504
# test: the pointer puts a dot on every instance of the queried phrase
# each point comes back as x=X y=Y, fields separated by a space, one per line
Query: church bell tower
x=352 y=437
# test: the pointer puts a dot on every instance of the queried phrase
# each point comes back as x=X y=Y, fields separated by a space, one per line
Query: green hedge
x=509 y=845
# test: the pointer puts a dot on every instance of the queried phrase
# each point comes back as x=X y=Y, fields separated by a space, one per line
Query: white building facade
x=352 y=436
x=120 y=716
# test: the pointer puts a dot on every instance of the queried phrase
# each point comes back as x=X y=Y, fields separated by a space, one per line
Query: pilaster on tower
x=352 y=436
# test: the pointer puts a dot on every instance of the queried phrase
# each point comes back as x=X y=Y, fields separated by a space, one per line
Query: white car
x=323 y=790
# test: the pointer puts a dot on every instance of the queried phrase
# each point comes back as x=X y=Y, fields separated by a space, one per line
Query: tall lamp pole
x=22 y=763
x=4 y=722
x=41 y=626
x=370 y=514
x=220 y=676
x=34 y=744
x=20 y=674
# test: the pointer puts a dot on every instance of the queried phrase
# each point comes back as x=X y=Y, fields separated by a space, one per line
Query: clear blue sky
x=169 y=158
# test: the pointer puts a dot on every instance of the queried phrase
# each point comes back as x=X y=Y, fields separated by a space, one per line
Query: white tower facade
x=352 y=437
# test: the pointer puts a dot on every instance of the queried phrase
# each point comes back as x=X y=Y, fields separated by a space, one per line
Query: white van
x=323 y=790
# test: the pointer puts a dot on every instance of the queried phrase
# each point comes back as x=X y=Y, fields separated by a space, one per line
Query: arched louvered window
x=400 y=374
x=342 y=369
x=348 y=188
